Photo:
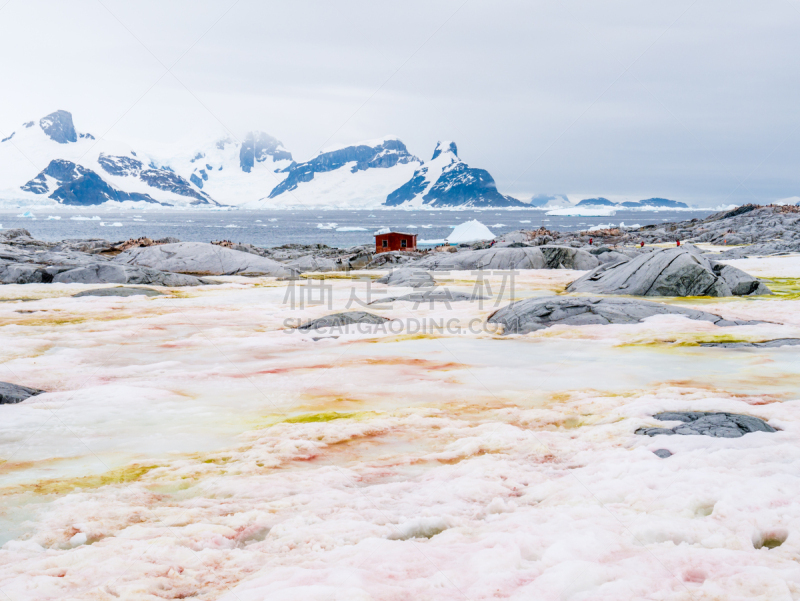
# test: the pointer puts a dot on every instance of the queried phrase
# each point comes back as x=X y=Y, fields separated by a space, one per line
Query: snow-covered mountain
x=49 y=162
x=447 y=181
x=232 y=172
x=361 y=175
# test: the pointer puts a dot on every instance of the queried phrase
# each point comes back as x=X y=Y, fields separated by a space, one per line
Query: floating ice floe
x=351 y=229
x=53 y=217
x=326 y=226
x=27 y=215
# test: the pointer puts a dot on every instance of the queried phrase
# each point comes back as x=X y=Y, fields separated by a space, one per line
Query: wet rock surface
x=14 y=393
x=717 y=425
x=680 y=271
x=338 y=320
x=534 y=314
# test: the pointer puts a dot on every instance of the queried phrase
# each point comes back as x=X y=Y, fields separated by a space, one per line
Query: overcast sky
x=690 y=100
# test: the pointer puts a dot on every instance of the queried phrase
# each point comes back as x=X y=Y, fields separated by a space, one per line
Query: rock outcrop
x=339 y=320
x=199 y=258
x=717 y=425
x=109 y=273
x=680 y=271
x=24 y=260
x=14 y=393
x=408 y=276
x=119 y=291
x=539 y=313
x=777 y=343
x=430 y=296
x=507 y=258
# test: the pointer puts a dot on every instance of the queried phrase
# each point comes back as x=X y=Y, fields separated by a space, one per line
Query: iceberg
x=470 y=231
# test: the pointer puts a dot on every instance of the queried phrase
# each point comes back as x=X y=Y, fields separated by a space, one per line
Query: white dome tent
x=470 y=231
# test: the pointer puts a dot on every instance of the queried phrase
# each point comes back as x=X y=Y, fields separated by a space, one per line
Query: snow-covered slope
x=240 y=173
x=361 y=175
x=49 y=162
x=447 y=181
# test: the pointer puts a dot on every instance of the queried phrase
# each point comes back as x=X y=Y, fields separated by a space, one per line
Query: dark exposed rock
x=337 y=320
x=767 y=344
x=680 y=271
x=539 y=313
x=119 y=291
x=120 y=165
x=14 y=393
x=91 y=189
x=662 y=453
x=58 y=127
x=171 y=182
x=257 y=146
x=718 y=425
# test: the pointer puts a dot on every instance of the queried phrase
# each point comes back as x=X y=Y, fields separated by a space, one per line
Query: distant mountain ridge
x=633 y=204
x=50 y=162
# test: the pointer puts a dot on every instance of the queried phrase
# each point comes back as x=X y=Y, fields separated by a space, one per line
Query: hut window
x=385 y=244
x=403 y=243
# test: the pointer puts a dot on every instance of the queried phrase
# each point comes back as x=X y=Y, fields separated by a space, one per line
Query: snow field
x=191 y=446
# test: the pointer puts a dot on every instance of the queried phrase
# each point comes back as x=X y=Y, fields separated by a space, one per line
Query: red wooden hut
x=395 y=241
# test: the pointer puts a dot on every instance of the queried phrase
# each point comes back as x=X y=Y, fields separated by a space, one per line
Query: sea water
x=337 y=228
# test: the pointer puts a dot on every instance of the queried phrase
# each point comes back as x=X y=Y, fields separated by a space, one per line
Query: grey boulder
x=717 y=425
x=539 y=313
x=779 y=342
x=200 y=258
x=408 y=276
x=430 y=296
x=680 y=271
x=109 y=273
x=338 y=320
x=311 y=263
x=506 y=258
x=14 y=393
x=118 y=291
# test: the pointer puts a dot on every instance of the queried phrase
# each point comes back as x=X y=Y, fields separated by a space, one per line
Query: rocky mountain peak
x=257 y=146
x=58 y=127
x=444 y=147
